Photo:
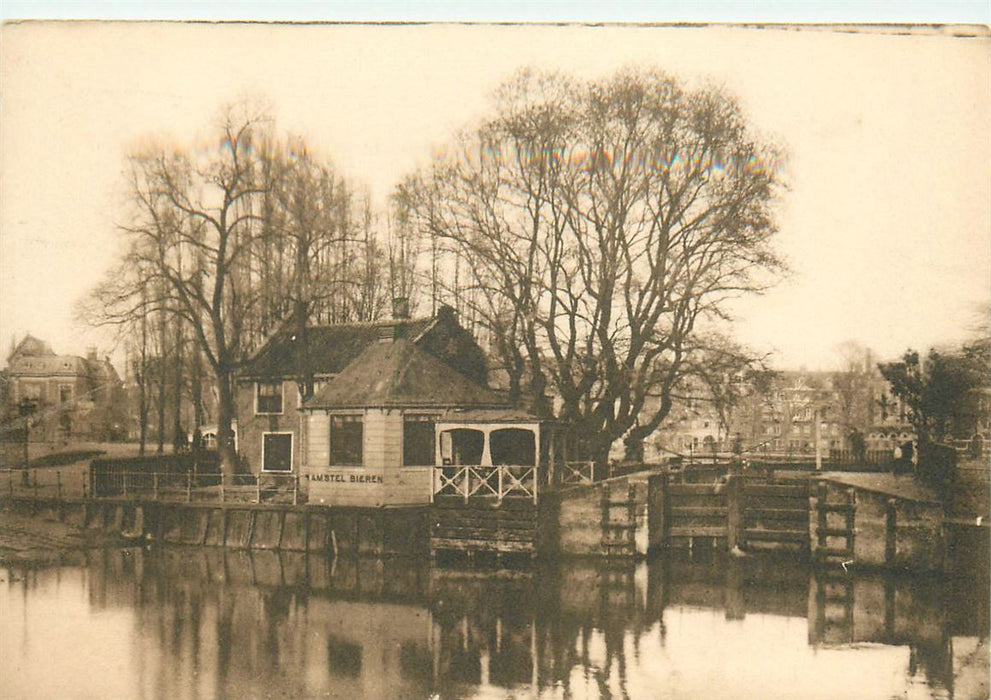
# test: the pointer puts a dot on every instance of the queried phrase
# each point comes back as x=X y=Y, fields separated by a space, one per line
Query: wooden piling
x=734 y=512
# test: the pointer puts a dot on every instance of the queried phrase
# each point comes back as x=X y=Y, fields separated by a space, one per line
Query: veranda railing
x=499 y=482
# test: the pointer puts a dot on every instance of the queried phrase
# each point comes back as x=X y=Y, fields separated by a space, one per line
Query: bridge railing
x=476 y=481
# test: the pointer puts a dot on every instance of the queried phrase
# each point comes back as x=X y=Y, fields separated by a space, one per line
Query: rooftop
x=327 y=350
x=399 y=374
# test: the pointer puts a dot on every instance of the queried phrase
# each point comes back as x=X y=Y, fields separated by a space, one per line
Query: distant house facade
x=66 y=396
x=273 y=386
x=781 y=417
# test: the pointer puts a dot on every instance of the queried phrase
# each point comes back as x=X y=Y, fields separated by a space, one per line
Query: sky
x=886 y=222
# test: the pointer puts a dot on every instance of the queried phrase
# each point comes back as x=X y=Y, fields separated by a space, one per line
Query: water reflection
x=204 y=623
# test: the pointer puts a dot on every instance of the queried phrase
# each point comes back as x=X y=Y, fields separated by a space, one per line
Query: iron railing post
x=221 y=487
x=295 y=489
x=154 y=486
x=258 y=488
x=123 y=484
x=58 y=484
x=189 y=487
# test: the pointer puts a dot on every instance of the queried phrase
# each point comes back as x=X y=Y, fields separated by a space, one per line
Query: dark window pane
x=418 y=441
x=512 y=446
x=345 y=441
x=467 y=446
x=269 y=397
x=278 y=453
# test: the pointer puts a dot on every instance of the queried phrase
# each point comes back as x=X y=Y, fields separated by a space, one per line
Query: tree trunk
x=633 y=448
x=225 y=416
x=197 y=388
x=163 y=378
x=178 y=432
x=142 y=415
x=142 y=377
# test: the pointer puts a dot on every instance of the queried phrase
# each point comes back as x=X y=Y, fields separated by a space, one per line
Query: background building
x=64 y=397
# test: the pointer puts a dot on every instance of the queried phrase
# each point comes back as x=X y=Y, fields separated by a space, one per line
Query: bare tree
x=601 y=226
x=853 y=387
x=233 y=242
x=195 y=219
x=319 y=255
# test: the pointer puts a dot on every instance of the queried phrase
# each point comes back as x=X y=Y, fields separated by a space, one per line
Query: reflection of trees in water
x=285 y=620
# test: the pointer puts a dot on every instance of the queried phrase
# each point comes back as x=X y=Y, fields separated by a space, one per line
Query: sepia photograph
x=444 y=359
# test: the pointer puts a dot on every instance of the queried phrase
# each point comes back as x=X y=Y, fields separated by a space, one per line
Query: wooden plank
x=479 y=545
x=479 y=532
x=481 y=503
x=711 y=501
x=697 y=531
x=508 y=523
x=778 y=513
x=777 y=490
x=695 y=490
x=697 y=511
x=834 y=532
x=836 y=508
x=777 y=535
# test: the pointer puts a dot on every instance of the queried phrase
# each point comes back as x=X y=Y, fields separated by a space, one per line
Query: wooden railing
x=499 y=482
x=569 y=473
x=189 y=487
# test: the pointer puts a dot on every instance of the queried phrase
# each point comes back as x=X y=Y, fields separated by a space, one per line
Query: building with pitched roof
x=370 y=434
x=296 y=365
x=63 y=396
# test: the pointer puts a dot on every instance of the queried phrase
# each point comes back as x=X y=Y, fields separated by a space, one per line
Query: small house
x=293 y=365
x=371 y=433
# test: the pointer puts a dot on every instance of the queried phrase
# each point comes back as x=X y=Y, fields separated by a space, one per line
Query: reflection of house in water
x=297 y=626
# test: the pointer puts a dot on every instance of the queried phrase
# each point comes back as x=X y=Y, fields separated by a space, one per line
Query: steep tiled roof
x=397 y=373
x=327 y=349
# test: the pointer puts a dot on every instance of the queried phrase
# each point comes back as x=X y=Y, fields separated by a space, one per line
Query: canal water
x=180 y=622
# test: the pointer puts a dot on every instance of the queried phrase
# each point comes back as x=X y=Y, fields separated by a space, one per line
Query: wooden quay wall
x=318 y=529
